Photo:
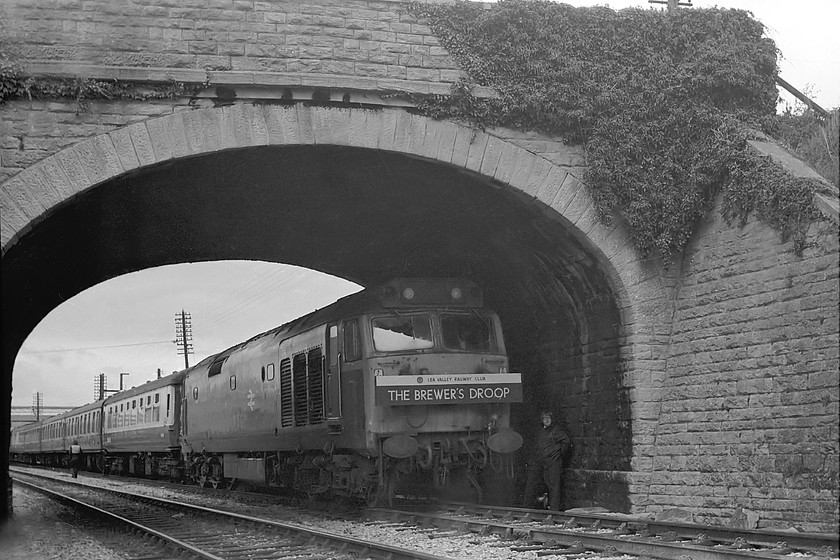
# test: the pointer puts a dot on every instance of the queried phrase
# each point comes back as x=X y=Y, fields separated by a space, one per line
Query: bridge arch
x=429 y=197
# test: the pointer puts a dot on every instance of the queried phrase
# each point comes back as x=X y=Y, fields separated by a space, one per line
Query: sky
x=128 y=323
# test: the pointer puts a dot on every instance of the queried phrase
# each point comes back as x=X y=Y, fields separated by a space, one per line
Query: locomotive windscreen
x=417 y=292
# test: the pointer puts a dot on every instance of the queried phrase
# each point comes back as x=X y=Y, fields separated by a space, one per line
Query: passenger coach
x=141 y=431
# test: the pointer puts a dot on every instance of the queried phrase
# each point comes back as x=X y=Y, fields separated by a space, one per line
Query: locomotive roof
x=348 y=306
x=363 y=301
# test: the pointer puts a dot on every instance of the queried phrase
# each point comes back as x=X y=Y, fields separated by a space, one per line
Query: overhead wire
x=76 y=349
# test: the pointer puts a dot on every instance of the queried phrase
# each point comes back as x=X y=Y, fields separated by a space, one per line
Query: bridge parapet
x=363 y=44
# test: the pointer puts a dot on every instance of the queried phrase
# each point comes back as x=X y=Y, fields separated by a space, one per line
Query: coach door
x=333 y=397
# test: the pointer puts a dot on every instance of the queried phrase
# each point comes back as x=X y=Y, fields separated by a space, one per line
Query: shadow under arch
x=366 y=215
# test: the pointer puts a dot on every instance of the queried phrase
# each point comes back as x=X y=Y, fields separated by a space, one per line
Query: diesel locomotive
x=404 y=382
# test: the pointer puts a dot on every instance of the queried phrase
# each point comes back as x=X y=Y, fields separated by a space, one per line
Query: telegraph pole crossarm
x=183 y=335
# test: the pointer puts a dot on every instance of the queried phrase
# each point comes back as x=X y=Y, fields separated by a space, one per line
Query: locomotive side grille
x=316 y=386
x=300 y=386
x=286 y=414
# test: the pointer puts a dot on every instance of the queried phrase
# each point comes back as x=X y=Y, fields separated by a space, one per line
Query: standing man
x=552 y=443
x=75 y=457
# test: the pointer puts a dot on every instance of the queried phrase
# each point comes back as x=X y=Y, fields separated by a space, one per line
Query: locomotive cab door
x=333 y=397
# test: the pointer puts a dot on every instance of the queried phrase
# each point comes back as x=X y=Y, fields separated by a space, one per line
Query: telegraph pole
x=101 y=386
x=183 y=335
x=37 y=403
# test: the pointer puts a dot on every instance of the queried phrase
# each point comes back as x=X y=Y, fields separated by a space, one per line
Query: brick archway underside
x=365 y=215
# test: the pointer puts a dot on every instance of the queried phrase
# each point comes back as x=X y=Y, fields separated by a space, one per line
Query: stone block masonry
x=749 y=411
x=372 y=39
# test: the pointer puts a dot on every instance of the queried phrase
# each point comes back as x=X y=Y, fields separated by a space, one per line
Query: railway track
x=588 y=534
x=475 y=531
x=207 y=533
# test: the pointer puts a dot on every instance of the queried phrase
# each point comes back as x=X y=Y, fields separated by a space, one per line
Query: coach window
x=352 y=344
x=156 y=408
x=233 y=383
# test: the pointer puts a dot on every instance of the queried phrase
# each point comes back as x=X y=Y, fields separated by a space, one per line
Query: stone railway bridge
x=709 y=385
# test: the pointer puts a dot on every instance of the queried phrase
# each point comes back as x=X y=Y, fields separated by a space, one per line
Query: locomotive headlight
x=456 y=293
x=408 y=293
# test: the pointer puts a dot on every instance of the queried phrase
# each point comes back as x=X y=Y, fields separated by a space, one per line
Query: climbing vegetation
x=663 y=103
x=10 y=66
x=83 y=90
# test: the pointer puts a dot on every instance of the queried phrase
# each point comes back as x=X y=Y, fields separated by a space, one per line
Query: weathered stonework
x=709 y=386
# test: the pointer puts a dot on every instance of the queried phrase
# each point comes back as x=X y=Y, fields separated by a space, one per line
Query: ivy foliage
x=662 y=102
x=83 y=90
x=10 y=66
x=812 y=138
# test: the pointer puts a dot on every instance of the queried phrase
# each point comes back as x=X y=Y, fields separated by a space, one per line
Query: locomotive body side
x=235 y=403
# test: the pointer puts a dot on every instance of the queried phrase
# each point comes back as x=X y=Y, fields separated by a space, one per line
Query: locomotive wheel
x=200 y=473
x=214 y=476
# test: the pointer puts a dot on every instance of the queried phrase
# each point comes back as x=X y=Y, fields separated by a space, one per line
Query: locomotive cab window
x=400 y=332
x=467 y=332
